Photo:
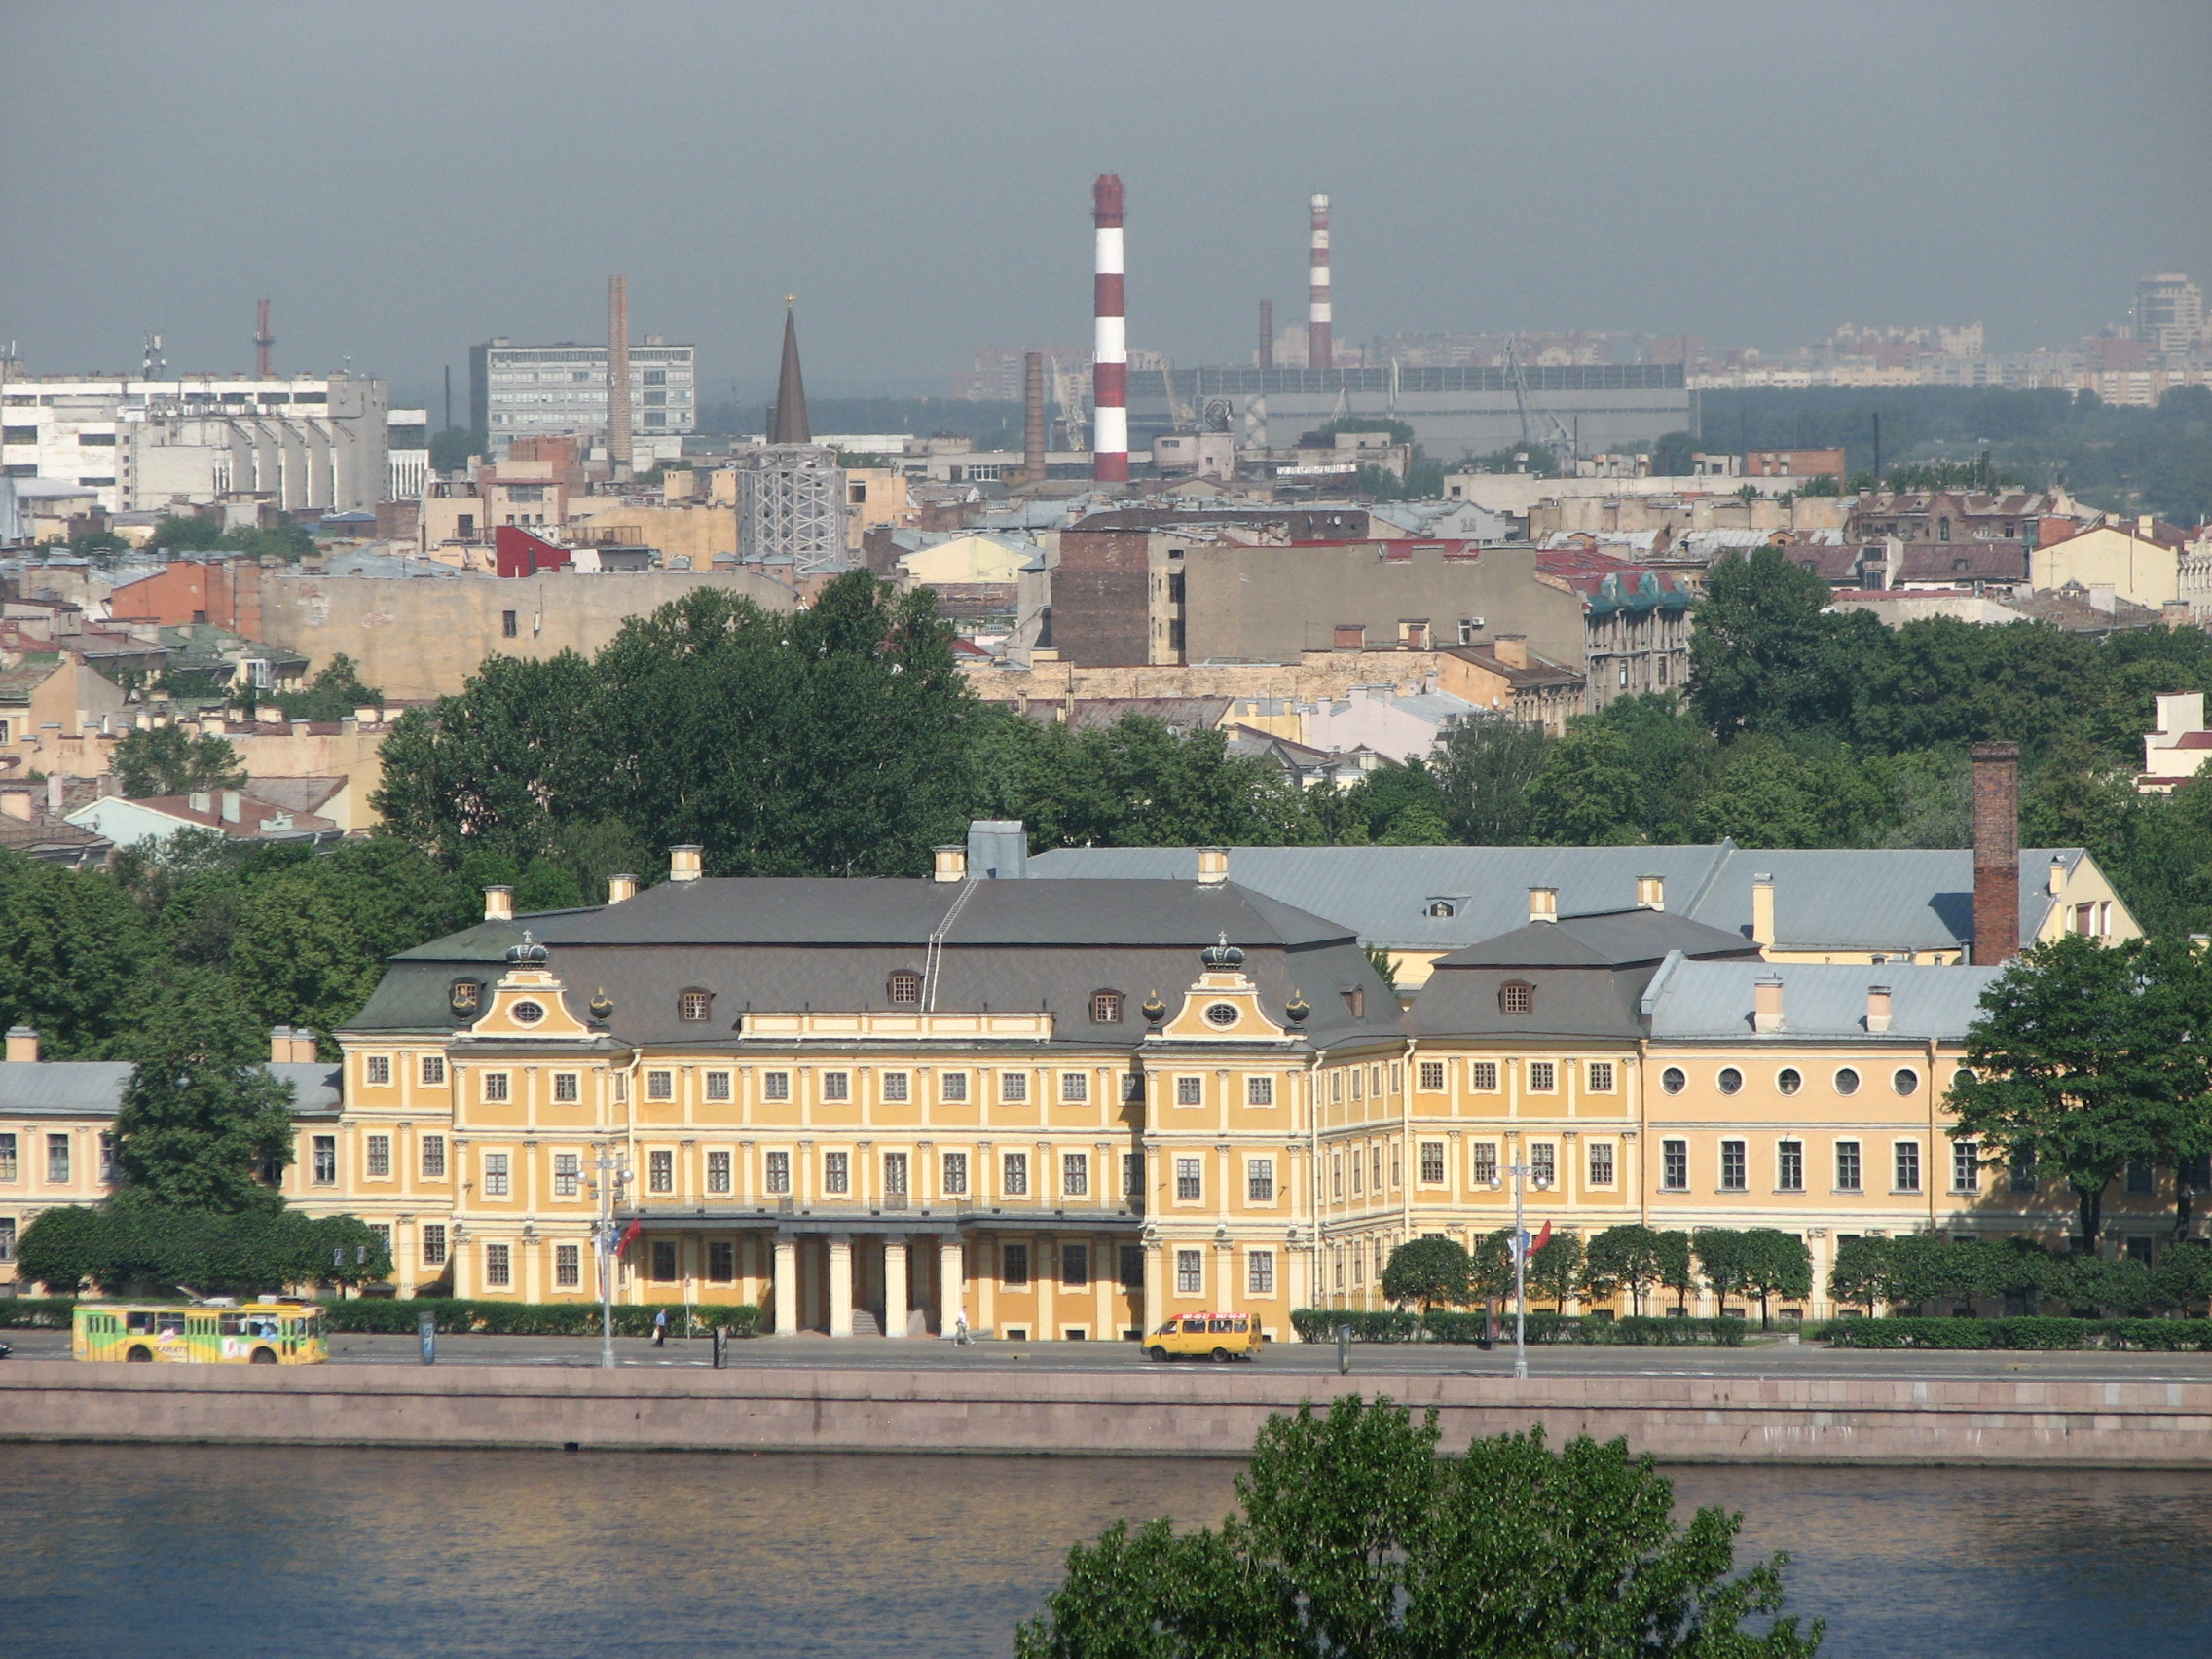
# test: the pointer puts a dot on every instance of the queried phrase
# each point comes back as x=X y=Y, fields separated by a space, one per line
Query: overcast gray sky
x=403 y=178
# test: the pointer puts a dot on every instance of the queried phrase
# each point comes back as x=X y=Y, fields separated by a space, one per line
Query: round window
x=1731 y=1079
x=1906 y=1081
x=528 y=1012
x=1674 y=1080
x=1790 y=1080
x=1847 y=1082
x=1221 y=1013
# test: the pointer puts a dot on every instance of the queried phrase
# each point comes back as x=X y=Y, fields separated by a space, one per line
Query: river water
x=223 y=1553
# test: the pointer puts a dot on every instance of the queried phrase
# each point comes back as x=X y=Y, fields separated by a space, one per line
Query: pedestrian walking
x=960 y=1326
x=661 y=1329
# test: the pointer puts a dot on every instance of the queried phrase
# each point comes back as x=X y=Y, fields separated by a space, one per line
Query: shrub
x=2165 y=1336
x=398 y=1317
x=1393 y=1325
x=35 y=1313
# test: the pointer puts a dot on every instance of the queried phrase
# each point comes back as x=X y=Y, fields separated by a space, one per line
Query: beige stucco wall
x=414 y=638
x=2134 y=568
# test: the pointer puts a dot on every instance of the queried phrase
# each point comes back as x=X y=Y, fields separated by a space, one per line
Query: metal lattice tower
x=790 y=506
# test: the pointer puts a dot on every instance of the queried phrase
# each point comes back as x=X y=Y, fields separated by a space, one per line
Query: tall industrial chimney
x=1267 y=334
x=1110 y=340
x=264 y=345
x=1033 y=414
x=1320 y=343
x=1996 y=852
x=618 y=373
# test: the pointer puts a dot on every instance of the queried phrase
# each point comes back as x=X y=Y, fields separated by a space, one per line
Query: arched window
x=692 y=1006
x=906 y=989
x=1516 y=996
x=1106 y=1008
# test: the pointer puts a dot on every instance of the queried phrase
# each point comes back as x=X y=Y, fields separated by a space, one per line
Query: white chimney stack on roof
x=620 y=888
x=1543 y=903
x=1766 y=1003
x=23 y=1045
x=1877 y=1008
x=1213 y=866
x=1650 y=893
x=1762 y=910
x=498 y=903
x=683 y=864
x=952 y=863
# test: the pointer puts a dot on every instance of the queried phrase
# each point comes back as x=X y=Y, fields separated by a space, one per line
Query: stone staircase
x=866 y=1324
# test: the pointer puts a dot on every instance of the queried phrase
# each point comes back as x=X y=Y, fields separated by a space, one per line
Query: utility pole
x=1520 y=1170
x=613 y=1174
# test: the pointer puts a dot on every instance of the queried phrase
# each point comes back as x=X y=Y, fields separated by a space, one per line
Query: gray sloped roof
x=69 y=1088
x=1878 y=898
x=1694 y=1001
x=1616 y=938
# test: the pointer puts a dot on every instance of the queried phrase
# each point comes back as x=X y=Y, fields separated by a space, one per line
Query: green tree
x=1429 y=1271
x=335 y=692
x=2113 y=1287
x=1678 y=1272
x=1629 y=1257
x=1720 y=1257
x=1355 y=1537
x=1860 y=1271
x=1775 y=1263
x=2182 y=1279
x=202 y=1116
x=1766 y=656
x=2086 y=1058
x=1588 y=791
x=451 y=448
x=72 y=950
x=1489 y=1266
x=1485 y=769
x=1556 y=1271
x=169 y=760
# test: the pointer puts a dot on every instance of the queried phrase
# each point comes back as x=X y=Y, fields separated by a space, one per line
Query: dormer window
x=906 y=990
x=1440 y=909
x=1516 y=996
x=467 y=996
x=692 y=1006
x=1106 y=1008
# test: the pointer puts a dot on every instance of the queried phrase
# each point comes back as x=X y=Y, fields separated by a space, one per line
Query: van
x=1221 y=1337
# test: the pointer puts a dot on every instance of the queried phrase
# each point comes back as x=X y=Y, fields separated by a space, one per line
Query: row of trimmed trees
x=1932 y=1274
x=1759 y=1262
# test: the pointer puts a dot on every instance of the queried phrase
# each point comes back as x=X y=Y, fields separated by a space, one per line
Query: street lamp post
x=1520 y=1172
x=613 y=1174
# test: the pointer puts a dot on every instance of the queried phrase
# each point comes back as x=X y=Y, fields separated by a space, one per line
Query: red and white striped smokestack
x=1110 y=341
x=1320 y=343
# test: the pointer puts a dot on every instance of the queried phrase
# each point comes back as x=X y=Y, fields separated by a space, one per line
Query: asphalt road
x=1765 y=1359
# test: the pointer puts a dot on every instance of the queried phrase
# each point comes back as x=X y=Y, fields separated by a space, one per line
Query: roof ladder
x=934 y=957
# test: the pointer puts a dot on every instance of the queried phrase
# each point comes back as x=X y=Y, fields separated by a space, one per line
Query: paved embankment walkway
x=1185 y=1412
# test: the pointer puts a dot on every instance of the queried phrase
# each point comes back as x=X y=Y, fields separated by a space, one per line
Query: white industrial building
x=309 y=442
x=530 y=392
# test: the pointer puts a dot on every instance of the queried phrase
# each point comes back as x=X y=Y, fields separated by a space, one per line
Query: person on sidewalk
x=960 y=1326
x=660 y=1328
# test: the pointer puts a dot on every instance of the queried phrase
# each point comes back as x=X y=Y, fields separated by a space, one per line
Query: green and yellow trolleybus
x=250 y=1333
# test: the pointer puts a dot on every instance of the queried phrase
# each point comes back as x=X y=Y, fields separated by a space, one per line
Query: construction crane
x=1561 y=440
x=1178 y=410
x=264 y=345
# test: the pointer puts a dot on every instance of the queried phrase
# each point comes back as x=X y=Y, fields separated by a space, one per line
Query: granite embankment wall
x=1185 y=1412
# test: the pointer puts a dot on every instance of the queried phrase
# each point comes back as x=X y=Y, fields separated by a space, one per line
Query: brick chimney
x=1766 y=1003
x=620 y=888
x=1996 y=852
x=498 y=903
x=1762 y=909
x=304 y=1045
x=23 y=1045
x=1877 y=1008
x=683 y=864
x=279 y=1044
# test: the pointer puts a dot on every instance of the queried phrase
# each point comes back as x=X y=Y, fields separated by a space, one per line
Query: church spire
x=790 y=426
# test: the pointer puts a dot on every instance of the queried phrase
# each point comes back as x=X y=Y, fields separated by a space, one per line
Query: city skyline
x=914 y=229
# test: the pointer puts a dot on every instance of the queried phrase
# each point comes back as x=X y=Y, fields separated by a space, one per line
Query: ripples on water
x=200 y=1552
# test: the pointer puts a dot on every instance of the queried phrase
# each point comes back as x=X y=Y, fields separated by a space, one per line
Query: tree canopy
x=1429 y=1271
x=1355 y=1536
x=169 y=760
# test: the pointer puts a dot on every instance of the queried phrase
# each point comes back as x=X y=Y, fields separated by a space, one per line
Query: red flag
x=1542 y=1238
x=637 y=1227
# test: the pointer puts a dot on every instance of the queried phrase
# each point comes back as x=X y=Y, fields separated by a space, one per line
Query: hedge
x=2165 y=1336
x=1400 y=1325
x=35 y=1313
x=399 y=1316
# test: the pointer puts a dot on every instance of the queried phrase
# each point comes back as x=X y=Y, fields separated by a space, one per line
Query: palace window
x=1189 y=1272
x=567 y=1174
x=434 y=1157
x=776 y=1086
x=1733 y=1172
x=1674 y=1166
x=1790 y=1080
x=567 y=1088
x=1014 y=1265
x=954 y=1088
x=379 y=1157
x=779 y=1174
x=718 y=1086
x=1790 y=1166
x=1260 y=1090
x=1730 y=1080
x=955 y=1174
x=1190 y=1092
x=837 y=1086
x=1132 y=1174
x=8 y=1165
x=496 y=1179
x=1966 y=1166
x=1601 y=1164
x=1075 y=1088
x=1906 y=1081
x=433 y=1070
x=1543 y=1164
x=1908 y=1165
x=379 y=1067
x=1106 y=1008
x=660 y=1171
x=1260 y=1272
x=1075 y=1267
x=1337 y=1175
x=906 y=990
x=660 y=1086
x=498 y=1266
x=1013 y=1174
x=836 y=1172
x=1600 y=1077
x=721 y=1262
x=1482 y=1076
x=567 y=1266
x=1485 y=1163
x=495 y=1085
x=433 y=1244
x=1544 y=1077
x=1075 y=1174
x=1846 y=1169
x=1674 y=1080
x=1430 y=1076
x=1013 y=1087
x=894 y=1174
x=324 y=1160
x=896 y=1086
x=1846 y=1080
x=1132 y=1267
x=1190 y=1187
x=692 y=1006
x=1432 y=1162
x=664 y=1260
x=2022 y=1173
x=1260 y=1181
x=1516 y=996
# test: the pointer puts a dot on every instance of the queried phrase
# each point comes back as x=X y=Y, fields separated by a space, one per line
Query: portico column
x=840 y=1284
x=786 y=1286
x=895 y=1287
x=1154 y=1289
x=951 y=1286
